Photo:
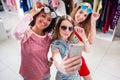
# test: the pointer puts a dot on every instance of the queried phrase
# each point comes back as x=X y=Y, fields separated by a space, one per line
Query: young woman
x=62 y=37
x=85 y=18
x=35 y=42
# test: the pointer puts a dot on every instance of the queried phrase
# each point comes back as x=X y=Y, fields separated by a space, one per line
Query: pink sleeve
x=22 y=26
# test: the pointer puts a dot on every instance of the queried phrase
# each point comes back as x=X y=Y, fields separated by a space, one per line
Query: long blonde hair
x=86 y=24
x=56 y=34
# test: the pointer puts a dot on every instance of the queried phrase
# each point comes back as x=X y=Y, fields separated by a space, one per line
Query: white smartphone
x=75 y=50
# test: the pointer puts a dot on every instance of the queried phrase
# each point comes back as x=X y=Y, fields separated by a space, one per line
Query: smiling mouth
x=42 y=24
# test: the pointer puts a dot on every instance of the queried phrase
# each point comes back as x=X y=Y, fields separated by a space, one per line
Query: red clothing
x=84 y=71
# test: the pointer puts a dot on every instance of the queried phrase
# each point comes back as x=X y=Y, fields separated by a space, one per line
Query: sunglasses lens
x=63 y=27
x=71 y=28
x=89 y=10
x=46 y=10
x=83 y=7
x=53 y=14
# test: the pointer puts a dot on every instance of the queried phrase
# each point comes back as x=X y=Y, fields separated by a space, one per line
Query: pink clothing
x=34 y=50
x=22 y=26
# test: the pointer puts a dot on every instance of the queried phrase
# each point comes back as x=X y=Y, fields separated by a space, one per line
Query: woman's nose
x=45 y=21
x=81 y=16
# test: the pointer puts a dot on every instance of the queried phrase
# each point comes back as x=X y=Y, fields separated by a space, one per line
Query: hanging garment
x=11 y=5
x=23 y=5
x=106 y=24
x=9 y=2
x=68 y=6
x=101 y=20
x=90 y=1
x=61 y=9
x=1 y=6
x=30 y=4
x=49 y=1
x=95 y=5
x=116 y=17
x=113 y=8
x=15 y=4
x=99 y=6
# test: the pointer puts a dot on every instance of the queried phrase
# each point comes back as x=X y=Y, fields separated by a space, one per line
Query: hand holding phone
x=75 y=50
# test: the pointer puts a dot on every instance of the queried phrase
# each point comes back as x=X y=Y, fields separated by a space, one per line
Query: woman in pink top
x=35 y=42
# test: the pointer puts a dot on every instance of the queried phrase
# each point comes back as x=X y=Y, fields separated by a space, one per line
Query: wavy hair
x=56 y=34
x=86 y=24
x=52 y=24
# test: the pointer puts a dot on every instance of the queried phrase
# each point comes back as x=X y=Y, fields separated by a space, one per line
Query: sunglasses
x=89 y=10
x=47 y=10
x=69 y=28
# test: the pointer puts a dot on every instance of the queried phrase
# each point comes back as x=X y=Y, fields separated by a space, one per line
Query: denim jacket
x=63 y=48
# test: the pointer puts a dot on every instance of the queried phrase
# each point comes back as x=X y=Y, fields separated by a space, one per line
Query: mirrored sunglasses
x=69 y=28
x=89 y=10
x=47 y=10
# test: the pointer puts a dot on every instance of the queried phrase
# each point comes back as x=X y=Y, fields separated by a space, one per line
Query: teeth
x=42 y=24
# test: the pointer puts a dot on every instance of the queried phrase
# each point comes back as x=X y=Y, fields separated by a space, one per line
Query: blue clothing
x=47 y=78
x=63 y=48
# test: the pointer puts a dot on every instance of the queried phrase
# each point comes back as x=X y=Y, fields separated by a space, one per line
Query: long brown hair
x=56 y=34
x=86 y=24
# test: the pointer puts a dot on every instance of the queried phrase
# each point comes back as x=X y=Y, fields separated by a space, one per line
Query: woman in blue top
x=62 y=37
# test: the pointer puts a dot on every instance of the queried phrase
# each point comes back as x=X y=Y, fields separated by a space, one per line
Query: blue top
x=63 y=46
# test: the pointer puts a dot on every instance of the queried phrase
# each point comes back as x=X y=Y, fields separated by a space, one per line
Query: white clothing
x=61 y=10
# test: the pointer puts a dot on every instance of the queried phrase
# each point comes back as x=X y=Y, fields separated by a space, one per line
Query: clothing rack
x=111 y=32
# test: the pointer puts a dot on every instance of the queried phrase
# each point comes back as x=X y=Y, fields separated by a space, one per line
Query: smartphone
x=75 y=50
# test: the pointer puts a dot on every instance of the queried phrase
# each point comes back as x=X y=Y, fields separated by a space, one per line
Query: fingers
x=71 y=69
x=39 y=4
x=66 y=57
x=37 y=7
x=70 y=62
x=78 y=29
x=95 y=15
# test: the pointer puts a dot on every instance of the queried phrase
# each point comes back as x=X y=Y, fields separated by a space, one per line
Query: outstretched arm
x=92 y=34
x=80 y=33
x=23 y=25
x=66 y=65
x=20 y=28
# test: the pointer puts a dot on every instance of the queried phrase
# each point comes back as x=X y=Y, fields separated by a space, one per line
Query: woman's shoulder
x=60 y=43
x=57 y=41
